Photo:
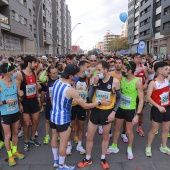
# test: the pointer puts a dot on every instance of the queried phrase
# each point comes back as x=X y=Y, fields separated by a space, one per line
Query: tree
x=118 y=44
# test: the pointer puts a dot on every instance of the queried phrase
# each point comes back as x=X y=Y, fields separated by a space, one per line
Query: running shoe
x=81 y=150
x=58 y=138
x=168 y=135
x=148 y=151
x=18 y=155
x=46 y=139
x=55 y=165
x=27 y=146
x=76 y=139
x=84 y=163
x=35 y=142
x=65 y=167
x=124 y=138
x=11 y=161
x=140 y=131
x=20 y=133
x=68 y=150
x=130 y=154
x=105 y=164
x=165 y=150
x=100 y=130
x=1 y=144
x=112 y=150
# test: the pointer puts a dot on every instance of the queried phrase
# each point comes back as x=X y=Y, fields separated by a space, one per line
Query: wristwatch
x=138 y=114
x=4 y=102
x=99 y=103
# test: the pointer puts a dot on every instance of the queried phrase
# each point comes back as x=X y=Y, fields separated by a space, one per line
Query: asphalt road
x=41 y=158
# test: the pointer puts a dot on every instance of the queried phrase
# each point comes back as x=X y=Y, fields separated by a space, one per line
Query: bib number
x=50 y=91
x=101 y=94
x=13 y=106
x=30 y=89
x=126 y=101
x=164 y=98
x=83 y=94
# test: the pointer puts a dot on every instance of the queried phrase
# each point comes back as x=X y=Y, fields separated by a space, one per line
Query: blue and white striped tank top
x=61 y=105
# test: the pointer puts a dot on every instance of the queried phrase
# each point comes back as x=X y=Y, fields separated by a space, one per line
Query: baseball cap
x=70 y=69
x=44 y=57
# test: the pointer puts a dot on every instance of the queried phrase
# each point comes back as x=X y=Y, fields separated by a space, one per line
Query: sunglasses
x=93 y=60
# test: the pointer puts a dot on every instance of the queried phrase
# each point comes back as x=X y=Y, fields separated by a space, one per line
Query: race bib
x=13 y=106
x=83 y=94
x=50 y=91
x=101 y=94
x=30 y=89
x=126 y=101
x=164 y=98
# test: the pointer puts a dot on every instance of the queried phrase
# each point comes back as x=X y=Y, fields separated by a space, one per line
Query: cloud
x=96 y=17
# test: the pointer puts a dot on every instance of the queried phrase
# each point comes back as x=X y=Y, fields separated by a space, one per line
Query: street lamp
x=28 y=29
x=75 y=27
x=78 y=39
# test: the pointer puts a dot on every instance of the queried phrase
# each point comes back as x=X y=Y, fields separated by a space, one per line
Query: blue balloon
x=123 y=17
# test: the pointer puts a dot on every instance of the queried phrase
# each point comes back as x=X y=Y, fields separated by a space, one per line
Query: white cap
x=44 y=57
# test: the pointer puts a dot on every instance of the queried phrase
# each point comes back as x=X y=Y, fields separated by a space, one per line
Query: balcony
x=3 y=2
x=4 y=22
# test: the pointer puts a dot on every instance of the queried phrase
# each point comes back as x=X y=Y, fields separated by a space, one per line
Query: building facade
x=20 y=33
x=149 y=20
x=124 y=29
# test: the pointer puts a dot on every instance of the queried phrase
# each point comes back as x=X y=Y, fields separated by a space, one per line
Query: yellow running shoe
x=46 y=139
x=11 y=161
x=18 y=155
x=76 y=139
x=168 y=135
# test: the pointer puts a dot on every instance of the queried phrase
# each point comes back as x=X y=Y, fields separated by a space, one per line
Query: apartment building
x=124 y=29
x=107 y=39
x=20 y=33
x=149 y=20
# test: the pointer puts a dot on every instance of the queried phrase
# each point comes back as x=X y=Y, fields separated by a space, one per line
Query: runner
x=158 y=96
x=131 y=87
x=29 y=107
x=52 y=77
x=118 y=74
x=141 y=73
x=78 y=114
x=62 y=97
x=108 y=87
x=10 y=112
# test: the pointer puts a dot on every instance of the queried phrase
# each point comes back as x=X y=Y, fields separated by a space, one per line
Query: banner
x=141 y=46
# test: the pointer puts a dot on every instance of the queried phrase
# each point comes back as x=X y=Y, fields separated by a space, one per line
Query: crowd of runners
x=102 y=93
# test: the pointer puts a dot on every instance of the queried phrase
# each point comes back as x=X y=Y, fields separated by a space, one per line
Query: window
x=1 y=43
x=157 y=29
x=158 y=16
x=12 y=43
x=166 y=26
x=167 y=10
x=158 y=4
x=30 y=13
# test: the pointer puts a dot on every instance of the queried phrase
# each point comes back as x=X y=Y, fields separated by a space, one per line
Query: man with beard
x=29 y=107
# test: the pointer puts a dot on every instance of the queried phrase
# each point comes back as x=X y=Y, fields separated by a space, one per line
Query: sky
x=96 y=17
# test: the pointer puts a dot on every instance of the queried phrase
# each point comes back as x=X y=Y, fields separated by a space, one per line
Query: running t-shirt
x=129 y=94
x=105 y=90
x=49 y=88
x=6 y=94
x=28 y=85
x=140 y=74
x=61 y=105
x=114 y=75
x=81 y=85
x=160 y=94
